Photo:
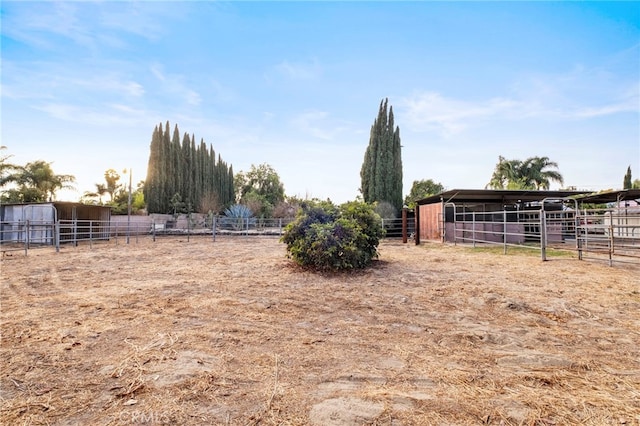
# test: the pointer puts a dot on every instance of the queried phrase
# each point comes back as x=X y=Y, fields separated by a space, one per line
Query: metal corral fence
x=604 y=234
x=26 y=235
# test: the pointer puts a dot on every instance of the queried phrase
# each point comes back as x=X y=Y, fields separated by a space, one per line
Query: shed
x=435 y=215
x=42 y=217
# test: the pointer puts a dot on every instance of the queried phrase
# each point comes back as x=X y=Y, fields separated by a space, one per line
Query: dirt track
x=178 y=332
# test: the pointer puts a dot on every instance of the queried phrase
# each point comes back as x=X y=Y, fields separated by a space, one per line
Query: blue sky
x=297 y=85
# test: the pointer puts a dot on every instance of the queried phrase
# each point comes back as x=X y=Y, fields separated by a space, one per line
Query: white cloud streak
x=174 y=85
x=580 y=94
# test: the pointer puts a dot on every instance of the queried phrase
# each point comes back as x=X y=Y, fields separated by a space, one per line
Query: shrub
x=326 y=237
x=236 y=217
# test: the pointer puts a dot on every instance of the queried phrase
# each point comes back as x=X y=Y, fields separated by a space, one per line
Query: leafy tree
x=422 y=189
x=261 y=188
x=288 y=208
x=6 y=169
x=120 y=203
x=533 y=173
x=37 y=183
x=326 y=237
x=381 y=172
x=627 y=183
x=636 y=184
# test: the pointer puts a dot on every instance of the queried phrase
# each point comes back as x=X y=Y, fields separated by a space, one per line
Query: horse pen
x=194 y=331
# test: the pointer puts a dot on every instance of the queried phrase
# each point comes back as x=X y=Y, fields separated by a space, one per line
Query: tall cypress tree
x=185 y=170
x=381 y=172
x=177 y=167
x=627 y=183
x=152 y=183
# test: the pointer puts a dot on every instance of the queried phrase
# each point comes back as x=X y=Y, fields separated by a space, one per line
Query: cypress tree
x=381 y=172
x=195 y=170
x=627 y=183
x=181 y=167
x=185 y=171
x=175 y=171
x=151 y=186
x=165 y=200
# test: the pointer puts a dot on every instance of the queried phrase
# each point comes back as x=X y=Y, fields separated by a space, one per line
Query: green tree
x=260 y=188
x=533 y=173
x=538 y=173
x=37 y=183
x=381 y=172
x=628 y=182
x=6 y=169
x=180 y=167
x=422 y=189
x=636 y=184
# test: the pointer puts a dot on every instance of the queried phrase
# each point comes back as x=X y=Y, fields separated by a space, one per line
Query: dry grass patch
x=232 y=333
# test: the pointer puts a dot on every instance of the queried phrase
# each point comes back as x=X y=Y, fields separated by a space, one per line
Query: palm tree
x=532 y=173
x=38 y=183
x=536 y=173
x=6 y=168
x=100 y=191
x=111 y=177
x=506 y=174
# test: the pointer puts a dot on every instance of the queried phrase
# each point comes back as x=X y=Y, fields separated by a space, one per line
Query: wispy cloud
x=431 y=111
x=322 y=125
x=100 y=115
x=174 y=85
x=301 y=71
x=90 y=25
x=310 y=123
x=575 y=95
x=45 y=80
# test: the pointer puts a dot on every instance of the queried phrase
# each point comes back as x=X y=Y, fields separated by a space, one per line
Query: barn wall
x=430 y=216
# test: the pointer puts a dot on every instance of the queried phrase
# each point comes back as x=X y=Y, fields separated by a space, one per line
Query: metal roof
x=504 y=196
x=611 y=196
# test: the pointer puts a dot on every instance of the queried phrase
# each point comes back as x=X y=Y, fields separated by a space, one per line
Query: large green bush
x=326 y=237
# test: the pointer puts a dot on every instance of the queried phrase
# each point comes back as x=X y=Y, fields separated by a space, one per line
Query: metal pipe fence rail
x=502 y=228
x=610 y=234
x=23 y=235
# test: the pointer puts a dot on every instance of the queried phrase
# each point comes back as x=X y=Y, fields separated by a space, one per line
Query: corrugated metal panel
x=40 y=218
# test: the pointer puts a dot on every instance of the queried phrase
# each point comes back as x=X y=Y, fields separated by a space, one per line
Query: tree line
x=183 y=176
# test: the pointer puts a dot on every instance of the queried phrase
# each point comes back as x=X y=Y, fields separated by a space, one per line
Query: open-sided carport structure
x=488 y=214
x=607 y=222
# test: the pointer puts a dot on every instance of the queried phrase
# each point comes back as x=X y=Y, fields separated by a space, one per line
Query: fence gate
x=609 y=234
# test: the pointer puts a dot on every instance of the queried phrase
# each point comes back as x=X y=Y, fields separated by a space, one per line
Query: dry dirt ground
x=231 y=333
